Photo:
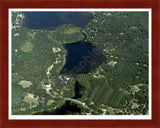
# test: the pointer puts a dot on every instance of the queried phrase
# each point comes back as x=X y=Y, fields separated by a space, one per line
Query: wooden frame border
x=6 y=4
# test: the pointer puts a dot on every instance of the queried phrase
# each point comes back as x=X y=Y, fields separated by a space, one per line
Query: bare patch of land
x=27 y=47
x=72 y=30
x=29 y=98
x=25 y=83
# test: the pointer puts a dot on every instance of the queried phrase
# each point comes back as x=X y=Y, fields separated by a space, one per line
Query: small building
x=16 y=34
x=67 y=78
x=108 y=14
x=48 y=85
x=92 y=102
x=16 y=50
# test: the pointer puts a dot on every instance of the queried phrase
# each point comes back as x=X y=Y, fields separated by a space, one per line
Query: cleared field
x=103 y=95
x=29 y=98
x=72 y=30
x=115 y=98
x=99 y=86
x=98 y=98
x=27 y=47
x=93 y=94
x=106 y=95
x=25 y=83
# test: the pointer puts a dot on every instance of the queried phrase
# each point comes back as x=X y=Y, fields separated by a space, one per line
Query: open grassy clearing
x=106 y=95
x=115 y=98
x=98 y=98
x=27 y=47
x=25 y=83
x=72 y=30
x=29 y=98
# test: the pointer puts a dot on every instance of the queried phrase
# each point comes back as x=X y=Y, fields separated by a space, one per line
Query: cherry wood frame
x=6 y=4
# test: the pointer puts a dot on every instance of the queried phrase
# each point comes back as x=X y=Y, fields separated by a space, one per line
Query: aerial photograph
x=79 y=62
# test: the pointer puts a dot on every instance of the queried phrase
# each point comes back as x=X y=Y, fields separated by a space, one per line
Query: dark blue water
x=81 y=57
x=51 y=20
x=66 y=109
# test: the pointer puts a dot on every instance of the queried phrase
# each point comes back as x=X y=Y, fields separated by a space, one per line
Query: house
x=48 y=85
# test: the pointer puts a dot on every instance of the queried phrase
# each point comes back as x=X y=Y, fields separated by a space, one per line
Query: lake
x=51 y=20
x=80 y=56
x=66 y=109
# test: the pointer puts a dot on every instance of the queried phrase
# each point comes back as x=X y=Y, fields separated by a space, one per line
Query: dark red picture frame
x=4 y=39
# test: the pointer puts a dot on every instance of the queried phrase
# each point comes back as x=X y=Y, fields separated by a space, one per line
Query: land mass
x=119 y=86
